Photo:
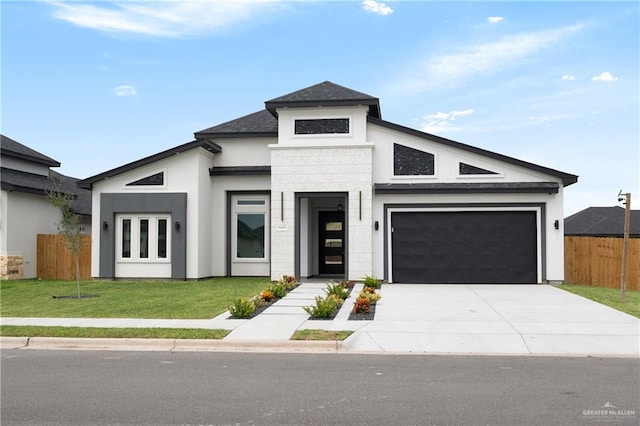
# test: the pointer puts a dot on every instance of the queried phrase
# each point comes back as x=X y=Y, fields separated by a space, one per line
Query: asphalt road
x=94 y=387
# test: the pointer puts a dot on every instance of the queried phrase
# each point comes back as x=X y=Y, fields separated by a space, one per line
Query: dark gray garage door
x=483 y=247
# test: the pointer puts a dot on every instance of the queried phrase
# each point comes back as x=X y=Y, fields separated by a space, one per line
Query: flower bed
x=247 y=308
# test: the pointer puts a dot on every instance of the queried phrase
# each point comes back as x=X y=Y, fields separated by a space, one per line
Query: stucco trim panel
x=172 y=203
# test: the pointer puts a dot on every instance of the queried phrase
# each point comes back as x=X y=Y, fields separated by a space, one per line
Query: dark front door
x=332 y=244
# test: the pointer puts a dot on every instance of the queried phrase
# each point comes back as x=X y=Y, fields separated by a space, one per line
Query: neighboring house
x=25 y=210
x=318 y=184
x=601 y=222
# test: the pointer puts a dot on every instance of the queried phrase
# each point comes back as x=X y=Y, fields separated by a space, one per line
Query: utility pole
x=627 y=223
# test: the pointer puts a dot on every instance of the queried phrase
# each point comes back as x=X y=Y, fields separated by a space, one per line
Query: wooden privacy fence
x=55 y=261
x=598 y=261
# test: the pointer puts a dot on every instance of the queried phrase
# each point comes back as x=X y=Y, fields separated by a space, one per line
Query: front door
x=332 y=244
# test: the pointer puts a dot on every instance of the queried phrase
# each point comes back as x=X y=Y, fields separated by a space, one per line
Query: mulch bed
x=367 y=316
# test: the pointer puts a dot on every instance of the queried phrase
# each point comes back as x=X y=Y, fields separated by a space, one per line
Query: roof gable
x=11 y=148
x=324 y=94
x=567 y=178
x=208 y=145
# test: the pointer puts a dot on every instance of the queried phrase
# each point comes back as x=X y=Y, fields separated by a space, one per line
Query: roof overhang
x=468 y=188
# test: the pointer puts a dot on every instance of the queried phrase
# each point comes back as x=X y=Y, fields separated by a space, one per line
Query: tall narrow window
x=126 y=238
x=144 y=238
x=250 y=237
x=162 y=238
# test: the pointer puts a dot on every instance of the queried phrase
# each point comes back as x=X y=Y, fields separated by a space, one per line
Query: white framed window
x=143 y=238
x=250 y=228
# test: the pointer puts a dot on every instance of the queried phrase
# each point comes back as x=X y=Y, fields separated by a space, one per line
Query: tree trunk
x=77 y=258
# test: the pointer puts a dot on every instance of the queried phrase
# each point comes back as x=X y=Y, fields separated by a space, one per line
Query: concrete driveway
x=494 y=319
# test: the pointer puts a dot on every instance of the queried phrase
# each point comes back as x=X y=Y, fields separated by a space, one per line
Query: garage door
x=492 y=247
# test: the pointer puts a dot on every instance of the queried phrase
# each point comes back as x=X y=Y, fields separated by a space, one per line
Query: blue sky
x=96 y=85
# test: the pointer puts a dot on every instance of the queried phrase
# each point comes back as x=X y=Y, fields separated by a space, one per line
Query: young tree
x=68 y=226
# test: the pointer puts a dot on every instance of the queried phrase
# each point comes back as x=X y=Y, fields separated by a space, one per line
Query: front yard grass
x=321 y=335
x=120 y=333
x=125 y=299
x=608 y=296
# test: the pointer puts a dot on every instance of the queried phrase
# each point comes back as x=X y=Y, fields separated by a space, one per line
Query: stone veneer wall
x=11 y=267
x=322 y=169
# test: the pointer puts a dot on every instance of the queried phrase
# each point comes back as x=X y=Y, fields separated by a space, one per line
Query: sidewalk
x=410 y=318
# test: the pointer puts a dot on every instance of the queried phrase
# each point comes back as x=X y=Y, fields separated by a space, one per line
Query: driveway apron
x=494 y=319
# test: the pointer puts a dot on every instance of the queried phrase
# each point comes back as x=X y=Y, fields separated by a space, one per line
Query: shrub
x=258 y=301
x=277 y=290
x=289 y=282
x=372 y=296
x=325 y=307
x=370 y=281
x=267 y=295
x=368 y=290
x=242 y=308
x=361 y=305
x=337 y=289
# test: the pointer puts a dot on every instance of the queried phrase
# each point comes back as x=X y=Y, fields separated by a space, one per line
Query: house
x=25 y=210
x=318 y=184
x=601 y=222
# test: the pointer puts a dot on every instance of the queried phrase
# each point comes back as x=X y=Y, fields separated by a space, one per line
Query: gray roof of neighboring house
x=601 y=222
x=11 y=148
x=325 y=94
x=19 y=181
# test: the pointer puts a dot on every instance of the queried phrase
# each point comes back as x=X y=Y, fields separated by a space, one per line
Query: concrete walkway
x=460 y=319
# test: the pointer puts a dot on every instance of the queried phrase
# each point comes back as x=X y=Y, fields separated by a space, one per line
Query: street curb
x=13 y=342
x=170 y=345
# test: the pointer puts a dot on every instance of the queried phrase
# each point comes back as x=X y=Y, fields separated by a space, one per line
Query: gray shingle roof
x=601 y=222
x=325 y=94
x=19 y=181
x=11 y=148
x=260 y=123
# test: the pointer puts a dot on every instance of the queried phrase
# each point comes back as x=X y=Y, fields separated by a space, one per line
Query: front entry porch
x=321 y=238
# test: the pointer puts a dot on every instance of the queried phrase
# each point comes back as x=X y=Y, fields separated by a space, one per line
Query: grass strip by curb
x=97 y=332
x=321 y=335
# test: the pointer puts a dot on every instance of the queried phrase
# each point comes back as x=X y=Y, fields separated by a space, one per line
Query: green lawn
x=124 y=299
x=608 y=296
x=120 y=333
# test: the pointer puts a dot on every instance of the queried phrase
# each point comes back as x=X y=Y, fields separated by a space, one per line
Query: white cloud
x=442 y=122
x=449 y=69
x=494 y=19
x=605 y=76
x=126 y=90
x=568 y=77
x=376 y=7
x=170 y=18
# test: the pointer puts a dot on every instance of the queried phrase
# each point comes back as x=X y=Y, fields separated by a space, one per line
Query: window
x=412 y=162
x=143 y=238
x=322 y=126
x=249 y=230
x=468 y=169
x=162 y=238
x=153 y=180
x=126 y=238
x=250 y=236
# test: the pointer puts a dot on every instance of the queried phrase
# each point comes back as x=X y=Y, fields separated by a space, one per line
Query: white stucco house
x=318 y=184
x=25 y=211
